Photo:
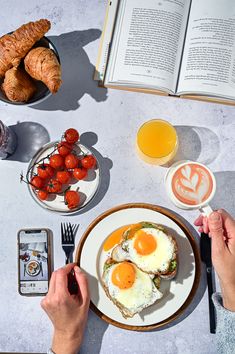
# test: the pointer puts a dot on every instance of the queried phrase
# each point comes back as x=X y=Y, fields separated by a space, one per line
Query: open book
x=174 y=47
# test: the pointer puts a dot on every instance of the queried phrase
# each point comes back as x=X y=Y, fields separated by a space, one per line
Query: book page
x=208 y=65
x=147 y=43
x=106 y=39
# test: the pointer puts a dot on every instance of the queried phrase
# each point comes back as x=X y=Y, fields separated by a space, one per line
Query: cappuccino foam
x=192 y=184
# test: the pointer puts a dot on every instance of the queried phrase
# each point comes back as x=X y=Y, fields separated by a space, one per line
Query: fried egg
x=129 y=288
x=150 y=248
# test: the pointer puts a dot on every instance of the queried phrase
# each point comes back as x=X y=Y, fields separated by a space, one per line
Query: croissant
x=13 y=47
x=18 y=86
x=42 y=64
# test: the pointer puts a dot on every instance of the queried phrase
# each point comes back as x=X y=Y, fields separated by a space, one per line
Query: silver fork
x=67 y=240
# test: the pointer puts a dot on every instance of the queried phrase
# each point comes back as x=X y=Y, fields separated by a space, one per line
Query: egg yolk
x=114 y=238
x=144 y=243
x=123 y=275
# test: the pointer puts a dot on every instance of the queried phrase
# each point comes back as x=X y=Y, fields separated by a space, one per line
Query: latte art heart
x=192 y=184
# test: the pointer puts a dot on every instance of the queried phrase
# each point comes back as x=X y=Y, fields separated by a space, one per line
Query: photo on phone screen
x=33 y=261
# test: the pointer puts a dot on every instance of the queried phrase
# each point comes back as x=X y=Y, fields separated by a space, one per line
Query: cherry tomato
x=45 y=171
x=56 y=161
x=54 y=186
x=42 y=194
x=88 y=161
x=63 y=176
x=64 y=148
x=37 y=182
x=71 y=135
x=71 y=161
x=72 y=199
x=80 y=173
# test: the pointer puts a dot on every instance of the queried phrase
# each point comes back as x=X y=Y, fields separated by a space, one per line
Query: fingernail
x=77 y=269
x=215 y=216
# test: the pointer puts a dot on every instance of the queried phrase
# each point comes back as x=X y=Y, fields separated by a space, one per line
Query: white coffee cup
x=203 y=206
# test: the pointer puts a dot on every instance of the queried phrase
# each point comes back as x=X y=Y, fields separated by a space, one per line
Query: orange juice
x=157 y=142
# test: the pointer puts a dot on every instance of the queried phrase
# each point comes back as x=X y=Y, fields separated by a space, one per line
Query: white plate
x=36 y=268
x=87 y=187
x=177 y=293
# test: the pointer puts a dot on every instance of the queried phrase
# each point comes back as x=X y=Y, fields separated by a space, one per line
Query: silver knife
x=205 y=251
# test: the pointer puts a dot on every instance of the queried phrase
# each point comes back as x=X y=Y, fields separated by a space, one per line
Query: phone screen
x=33 y=262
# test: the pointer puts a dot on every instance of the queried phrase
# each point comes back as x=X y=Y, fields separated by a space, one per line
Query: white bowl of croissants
x=30 y=69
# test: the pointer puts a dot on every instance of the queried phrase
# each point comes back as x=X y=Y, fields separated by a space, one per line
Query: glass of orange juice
x=157 y=142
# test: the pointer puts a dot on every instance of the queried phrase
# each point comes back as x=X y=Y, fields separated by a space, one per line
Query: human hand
x=68 y=313
x=221 y=228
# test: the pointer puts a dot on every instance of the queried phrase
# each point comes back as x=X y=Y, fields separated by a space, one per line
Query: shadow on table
x=93 y=335
x=31 y=137
x=77 y=72
x=197 y=144
x=95 y=326
x=105 y=164
x=225 y=191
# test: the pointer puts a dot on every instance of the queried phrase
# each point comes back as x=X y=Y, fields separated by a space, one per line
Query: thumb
x=83 y=285
x=215 y=224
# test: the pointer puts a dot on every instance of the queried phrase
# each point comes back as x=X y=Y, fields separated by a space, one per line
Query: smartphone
x=34 y=261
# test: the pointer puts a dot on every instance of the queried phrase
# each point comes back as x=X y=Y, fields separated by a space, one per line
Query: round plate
x=87 y=187
x=33 y=268
x=178 y=292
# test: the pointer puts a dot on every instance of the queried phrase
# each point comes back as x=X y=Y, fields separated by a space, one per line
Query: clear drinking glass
x=8 y=141
x=157 y=142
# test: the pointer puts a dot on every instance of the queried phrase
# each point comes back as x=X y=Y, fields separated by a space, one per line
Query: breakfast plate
x=87 y=187
x=178 y=292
